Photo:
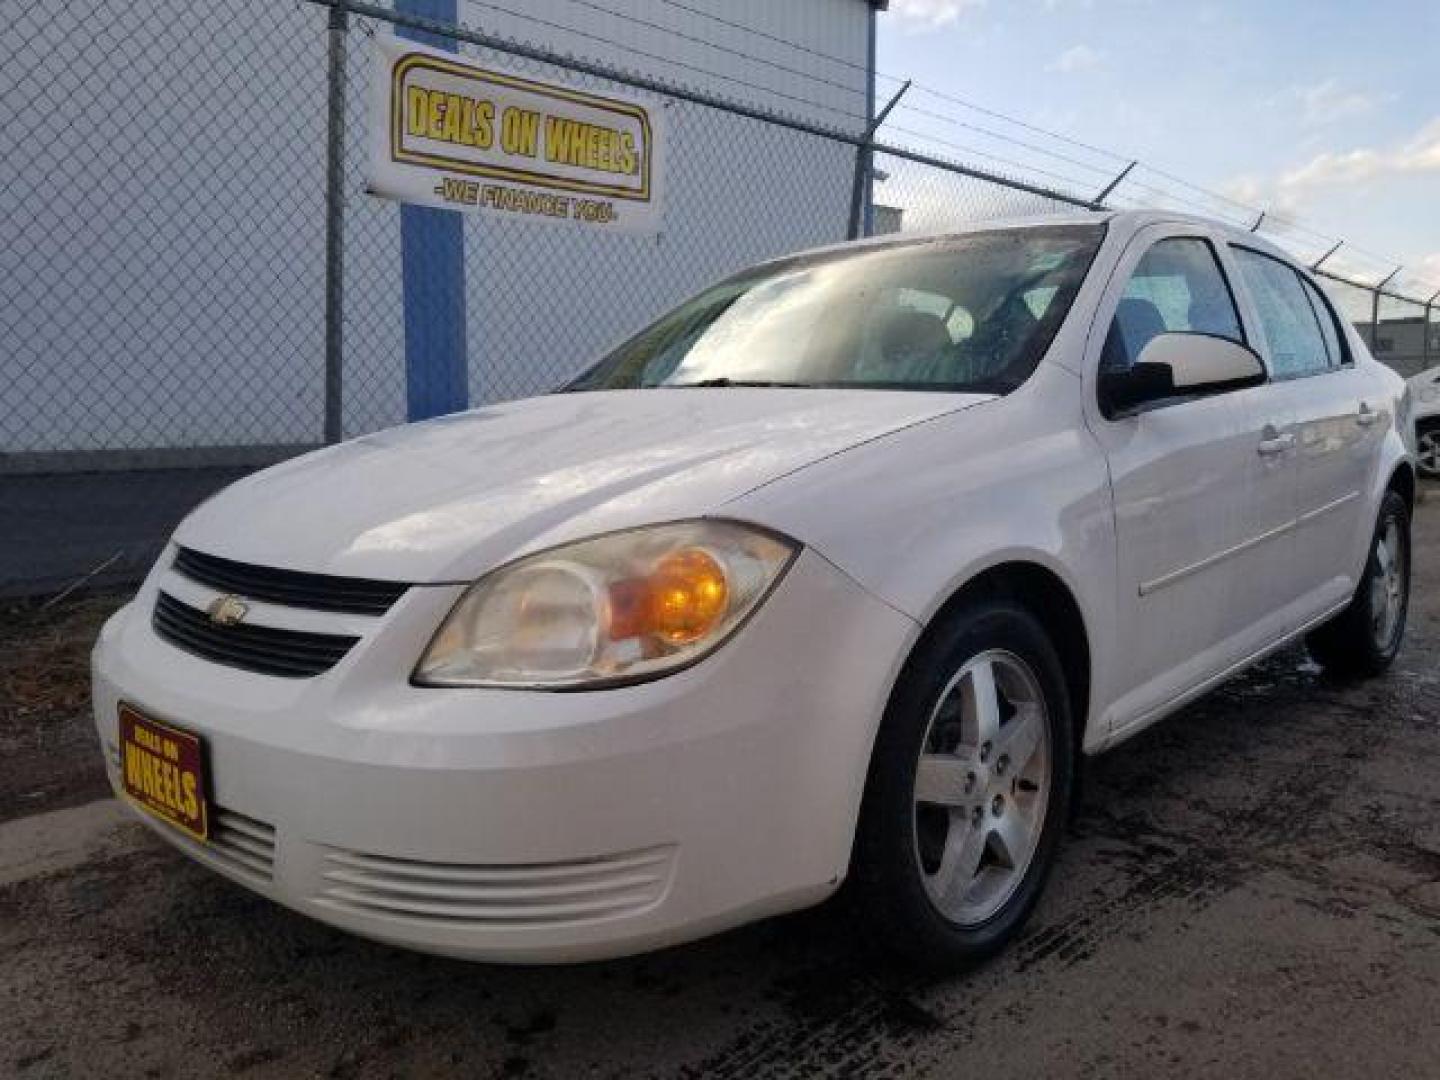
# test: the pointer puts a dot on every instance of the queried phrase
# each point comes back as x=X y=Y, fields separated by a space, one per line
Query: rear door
x=1338 y=427
x=1202 y=509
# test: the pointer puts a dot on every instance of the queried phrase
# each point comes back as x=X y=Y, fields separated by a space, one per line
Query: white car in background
x=836 y=572
x=1425 y=403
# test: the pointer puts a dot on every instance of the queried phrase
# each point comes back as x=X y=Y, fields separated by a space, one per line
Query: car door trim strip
x=1321 y=511
x=1156 y=584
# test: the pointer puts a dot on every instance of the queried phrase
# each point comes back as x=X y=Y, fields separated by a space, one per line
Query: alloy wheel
x=982 y=786
x=1387 y=588
x=1428 y=451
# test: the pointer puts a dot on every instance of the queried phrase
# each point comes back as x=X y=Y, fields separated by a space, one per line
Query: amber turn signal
x=684 y=597
x=688 y=596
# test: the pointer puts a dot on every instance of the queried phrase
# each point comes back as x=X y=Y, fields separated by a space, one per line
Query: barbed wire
x=1103 y=170
x=1075 y=185
x=1253 y=212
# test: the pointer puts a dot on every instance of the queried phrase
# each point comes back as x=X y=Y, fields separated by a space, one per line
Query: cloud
x=1427 y=269
x=1076 y=59
x=1328 y=102
x=1288 y=190
x=1418 y=154
x=1247 y=188
x=931 y=14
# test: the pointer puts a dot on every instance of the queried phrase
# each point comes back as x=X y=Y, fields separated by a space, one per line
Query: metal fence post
x=1425 y=332
x=1099 y=201
x=339 y=28
x=1379 y=288
x=864 y=165
x=863 y=157
x=1315 y=266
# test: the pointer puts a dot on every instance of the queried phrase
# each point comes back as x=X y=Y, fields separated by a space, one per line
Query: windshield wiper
x=723 y=381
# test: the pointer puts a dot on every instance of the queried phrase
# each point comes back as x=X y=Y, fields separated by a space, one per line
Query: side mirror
x=1180 y=365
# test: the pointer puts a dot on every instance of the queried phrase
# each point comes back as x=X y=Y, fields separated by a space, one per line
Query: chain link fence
x=195 y=282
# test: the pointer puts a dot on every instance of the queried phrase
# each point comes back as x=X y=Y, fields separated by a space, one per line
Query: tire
x=1363 y=640
x=1427 y=446
x=904 y=840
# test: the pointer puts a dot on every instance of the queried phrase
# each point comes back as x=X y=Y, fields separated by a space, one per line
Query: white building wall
x=657 y=39
x=162 y=286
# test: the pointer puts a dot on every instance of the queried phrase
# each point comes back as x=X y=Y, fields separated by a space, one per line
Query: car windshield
x=969 y=313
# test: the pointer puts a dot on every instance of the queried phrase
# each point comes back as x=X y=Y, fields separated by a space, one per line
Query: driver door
x=1203 y=488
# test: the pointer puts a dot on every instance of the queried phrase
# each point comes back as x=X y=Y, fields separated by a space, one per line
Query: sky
x=1326 y=111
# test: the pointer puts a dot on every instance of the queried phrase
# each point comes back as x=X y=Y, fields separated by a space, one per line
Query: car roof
x=1122 y=225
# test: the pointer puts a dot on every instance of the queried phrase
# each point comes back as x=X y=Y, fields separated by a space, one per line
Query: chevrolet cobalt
x=834 y=574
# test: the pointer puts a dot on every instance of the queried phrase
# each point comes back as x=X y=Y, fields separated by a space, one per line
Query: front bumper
x=526 y=826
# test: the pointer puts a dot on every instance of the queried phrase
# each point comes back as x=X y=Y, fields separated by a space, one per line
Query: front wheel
x=1427 y=448
x=968 y=789
x=1364 y=639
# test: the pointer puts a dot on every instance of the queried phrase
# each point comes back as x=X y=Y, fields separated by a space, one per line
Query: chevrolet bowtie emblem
x=226 y=610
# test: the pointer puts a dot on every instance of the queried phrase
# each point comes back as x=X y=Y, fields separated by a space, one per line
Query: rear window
x=1292 y=329
x=1335 y=351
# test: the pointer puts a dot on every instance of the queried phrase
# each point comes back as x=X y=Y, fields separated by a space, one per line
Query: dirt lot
x=1251 y=889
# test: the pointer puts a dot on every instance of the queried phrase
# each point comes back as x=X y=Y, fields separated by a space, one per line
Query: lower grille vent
x=536 y=894
x=242 y=843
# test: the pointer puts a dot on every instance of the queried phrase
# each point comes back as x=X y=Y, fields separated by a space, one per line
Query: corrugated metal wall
x=742 y=65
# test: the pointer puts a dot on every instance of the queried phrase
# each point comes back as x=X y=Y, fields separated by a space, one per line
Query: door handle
x=1366 y=416
x=1273 y=441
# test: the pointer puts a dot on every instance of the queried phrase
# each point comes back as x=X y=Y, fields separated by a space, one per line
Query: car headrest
x=1137 y=320
x=911 y=334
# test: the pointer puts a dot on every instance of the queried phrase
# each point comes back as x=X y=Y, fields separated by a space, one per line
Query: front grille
x=527 y=895
x=294 y=588
x=291 y=654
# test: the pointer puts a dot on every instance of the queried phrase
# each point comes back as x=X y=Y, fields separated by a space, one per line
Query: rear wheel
x=1427 y=448
x=1364 y=639
x=968 y=789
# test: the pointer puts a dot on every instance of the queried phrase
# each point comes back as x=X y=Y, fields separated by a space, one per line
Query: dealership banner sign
x=447 y=132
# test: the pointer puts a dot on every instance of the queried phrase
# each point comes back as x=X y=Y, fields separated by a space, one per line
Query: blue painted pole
x=432 y=256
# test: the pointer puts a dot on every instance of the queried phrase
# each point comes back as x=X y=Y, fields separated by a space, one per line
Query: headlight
x=618 y=608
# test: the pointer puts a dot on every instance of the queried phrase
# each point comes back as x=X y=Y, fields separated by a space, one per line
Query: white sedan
x=1425 y=389
x=835 y=573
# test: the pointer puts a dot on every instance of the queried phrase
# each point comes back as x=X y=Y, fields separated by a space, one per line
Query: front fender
x=914 y=517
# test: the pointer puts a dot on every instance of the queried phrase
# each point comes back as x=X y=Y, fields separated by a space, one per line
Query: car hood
x=448 y=499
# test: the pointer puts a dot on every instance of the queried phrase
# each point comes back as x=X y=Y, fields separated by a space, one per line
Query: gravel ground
x=1251 y=889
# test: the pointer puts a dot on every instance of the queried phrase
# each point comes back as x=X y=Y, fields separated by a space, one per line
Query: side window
x=1177 y=287
x=1297 y=345
x=1325 y=316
